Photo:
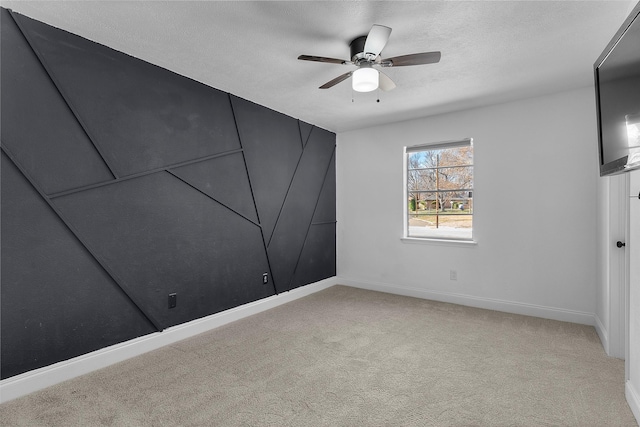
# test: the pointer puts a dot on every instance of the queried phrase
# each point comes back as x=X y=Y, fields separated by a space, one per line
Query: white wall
x=633 y=245
x=535 y=209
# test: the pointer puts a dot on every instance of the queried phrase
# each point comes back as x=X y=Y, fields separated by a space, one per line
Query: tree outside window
x=439 y=188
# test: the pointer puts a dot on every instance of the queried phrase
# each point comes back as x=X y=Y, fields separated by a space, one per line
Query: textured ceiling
x=492 y=51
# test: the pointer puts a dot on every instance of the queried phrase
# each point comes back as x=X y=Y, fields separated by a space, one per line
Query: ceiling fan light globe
x=365 y=80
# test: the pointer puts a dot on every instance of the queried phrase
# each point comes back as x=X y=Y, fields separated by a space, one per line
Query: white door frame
x=618 y=266
x=633 y=245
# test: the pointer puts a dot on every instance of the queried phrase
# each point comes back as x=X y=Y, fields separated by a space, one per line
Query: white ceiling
x=492 y=51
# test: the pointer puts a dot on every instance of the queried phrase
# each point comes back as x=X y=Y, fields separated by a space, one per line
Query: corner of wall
x=633 y=399
x=602 y=333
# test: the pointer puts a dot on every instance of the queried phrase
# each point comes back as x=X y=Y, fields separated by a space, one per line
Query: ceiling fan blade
x=413 y=59
x=337 y=80
x=322 y=59
x=376 y=39
x=384 y=82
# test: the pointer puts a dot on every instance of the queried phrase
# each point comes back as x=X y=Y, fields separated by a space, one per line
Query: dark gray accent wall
x=272 y=152
x=59 y=155
x=297 y=210
x=56 y=298
x=123 y=182
x=158 y=119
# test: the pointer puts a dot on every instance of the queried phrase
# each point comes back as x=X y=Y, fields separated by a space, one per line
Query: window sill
x=445 y=242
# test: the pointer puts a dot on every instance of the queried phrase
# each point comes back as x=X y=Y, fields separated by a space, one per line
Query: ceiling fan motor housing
x=357 y=49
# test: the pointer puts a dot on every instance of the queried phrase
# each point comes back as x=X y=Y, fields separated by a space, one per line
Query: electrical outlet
x=453 y=275
x=173 y=300
x=265 y=278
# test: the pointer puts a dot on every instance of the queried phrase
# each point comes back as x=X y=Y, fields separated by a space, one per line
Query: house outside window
x=439 y=190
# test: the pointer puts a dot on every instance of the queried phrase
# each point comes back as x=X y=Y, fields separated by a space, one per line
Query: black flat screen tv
x=617 y=83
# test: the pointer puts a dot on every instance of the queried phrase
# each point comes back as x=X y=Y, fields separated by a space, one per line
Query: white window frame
x=405 y=195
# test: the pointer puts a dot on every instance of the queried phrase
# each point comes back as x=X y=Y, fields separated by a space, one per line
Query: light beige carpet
x=350 y=357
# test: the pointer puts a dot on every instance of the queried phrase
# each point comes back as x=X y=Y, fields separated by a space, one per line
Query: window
x=439 y=190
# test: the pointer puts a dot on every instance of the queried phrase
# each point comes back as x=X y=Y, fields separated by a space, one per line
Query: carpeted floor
x=351 y=357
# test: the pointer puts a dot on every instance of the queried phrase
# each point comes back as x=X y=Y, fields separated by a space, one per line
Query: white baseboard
x=544 y=312
x=603 y=334
x=633 y=399
x=23 y=384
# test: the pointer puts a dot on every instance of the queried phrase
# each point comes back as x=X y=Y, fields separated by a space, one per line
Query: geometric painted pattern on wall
x=48 y=285
x=159 y=120
x=123 y=182
x=44 y=136
x=326 y=209
x=160 y=236
x=224 y=179
x=297 y=210
x=318 y=255
x=272 y=151
x=319 y=252
x=305 y=131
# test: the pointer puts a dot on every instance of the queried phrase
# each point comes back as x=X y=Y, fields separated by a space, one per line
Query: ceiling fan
x=365 y=54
